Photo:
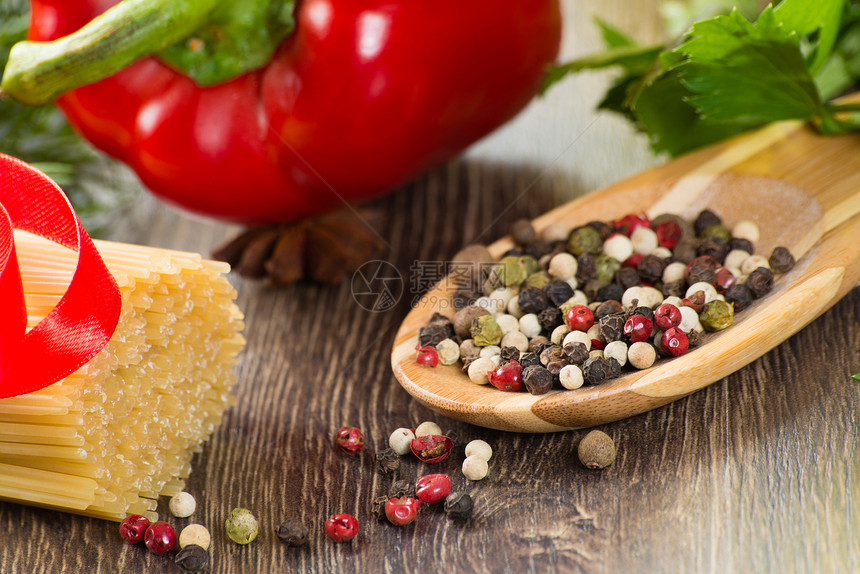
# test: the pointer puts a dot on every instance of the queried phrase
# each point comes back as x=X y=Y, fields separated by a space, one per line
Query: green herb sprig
x=732 y=73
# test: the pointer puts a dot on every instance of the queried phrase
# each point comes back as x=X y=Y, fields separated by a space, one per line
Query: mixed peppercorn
x=566 y=309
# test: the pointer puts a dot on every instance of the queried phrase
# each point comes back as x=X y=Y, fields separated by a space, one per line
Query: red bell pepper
x=360 y=97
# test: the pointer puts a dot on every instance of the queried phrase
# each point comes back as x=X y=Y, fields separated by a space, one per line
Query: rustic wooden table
x=756 y=473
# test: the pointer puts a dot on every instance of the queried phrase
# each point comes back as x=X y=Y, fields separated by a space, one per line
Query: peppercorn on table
x=728 y=479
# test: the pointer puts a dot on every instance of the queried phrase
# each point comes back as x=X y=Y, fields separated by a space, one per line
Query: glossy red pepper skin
x=361 y=98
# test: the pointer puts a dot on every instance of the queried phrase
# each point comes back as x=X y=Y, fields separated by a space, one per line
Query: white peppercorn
x=641 y=355
x=562 y=266
x=577 y=337
x=401 y=440
x=672 y=300
x=661 y=252
x=448 y=351
x=555 y=232
x=618 y=246
x=516 y=339
x=478 y=370
x=507 y=323
x=530 y=325
x=571 y=377
x=572 y=282
x=674 y=272
x=709 y=290
x=427 y=428
x=644 y=240
x=491 y=305
x=182 y=505
x=689 y=320
x=647 y=296
x=595 y=354
x=501 y=297
x=594 y=333
x=753 y=262
x=735 y=258
x=616 y=350
x=514 y=308
x=490 y=351
x=475 y=467
x=195 y=534
x=558 y=334
x=479 y=448
x=746 y=229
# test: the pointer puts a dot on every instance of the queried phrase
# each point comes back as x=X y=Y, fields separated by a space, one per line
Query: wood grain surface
x=755 y=473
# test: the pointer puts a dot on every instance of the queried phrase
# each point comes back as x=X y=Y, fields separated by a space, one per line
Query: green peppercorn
x=719 y=231
x=511 y=271
x=539 y=279
x=717 y=315
x=585 y=240
x=241 y=526
x=596 y=450
x=606 y=268
x=486 y=331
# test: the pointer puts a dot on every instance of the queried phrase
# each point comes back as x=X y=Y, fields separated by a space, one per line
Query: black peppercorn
x=651 y=268
x=607 y=308
x=742 y=245
x=401 y=488
x=714 y=247
x=522 y=232
x=529 y=359
x=611 y=291
x=538 y=380
x=760 y=282
x=781 y=260
x=592 y=288
x=685 y=250
x=293 y=531
x=702 y=268
x=513 y=252
x=192 y=558
x=536 y=344
x=532 y=300
x=538 y=248
x=387 y=461
x=509 y=354
x=586 y=268
x=627 y=277
x=740 y=296
x=597 y=370
x=611 y=327
x=432 y=335
x=465 y=296
x=644 y=311
x=674 y=288
x=603 y=228
x=704 y=220
x=558 y=291
x=550 y=318
x=552 y=352
x=694 y=338
x=458 y=506
x=576 y=353
x=377 y=507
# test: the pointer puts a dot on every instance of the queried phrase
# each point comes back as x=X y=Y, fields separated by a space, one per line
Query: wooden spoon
x=803 y=191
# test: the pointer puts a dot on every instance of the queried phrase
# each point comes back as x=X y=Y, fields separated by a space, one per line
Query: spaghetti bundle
x=111 y=437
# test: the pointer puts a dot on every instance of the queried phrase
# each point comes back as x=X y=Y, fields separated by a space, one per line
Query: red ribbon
x=85 y=318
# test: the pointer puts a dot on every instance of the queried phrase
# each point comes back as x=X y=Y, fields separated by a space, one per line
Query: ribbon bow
x=85 y=318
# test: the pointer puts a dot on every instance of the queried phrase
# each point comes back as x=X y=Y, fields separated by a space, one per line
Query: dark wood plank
x=756 y=473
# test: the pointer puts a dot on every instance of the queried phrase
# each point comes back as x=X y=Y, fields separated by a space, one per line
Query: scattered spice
x=192 y=558
x=479 y=448
x=459 y=506
x=596 y=450
x=293 y=532
x=341 y=527
x=432 y=448
x=241 y=526
x=196 y=534
x=401 y=488
x=387 y=461
x=377 y=507
x=133 y=527
x=402 y=511
x=433 y=488
x=159 y=538
x=400 y=440
x=182 y=505
x=475 y=467
x=427 y=428
x=349 y=440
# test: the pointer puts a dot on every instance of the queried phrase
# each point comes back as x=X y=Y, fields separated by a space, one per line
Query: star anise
x=325 y=249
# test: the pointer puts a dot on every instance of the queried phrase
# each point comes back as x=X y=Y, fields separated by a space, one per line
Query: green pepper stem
x=39 y=72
